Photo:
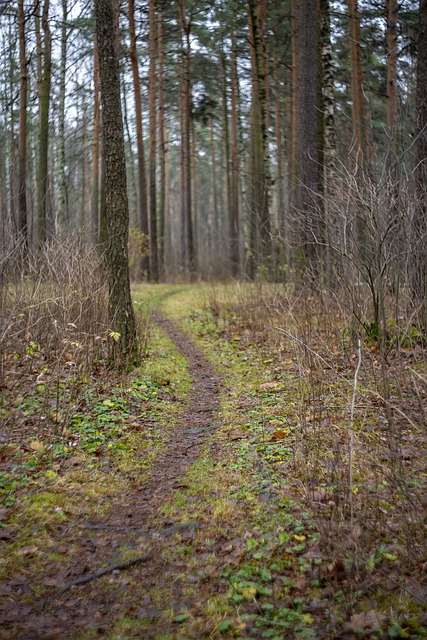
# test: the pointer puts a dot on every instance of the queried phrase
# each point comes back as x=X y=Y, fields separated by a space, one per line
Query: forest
x=213 y=316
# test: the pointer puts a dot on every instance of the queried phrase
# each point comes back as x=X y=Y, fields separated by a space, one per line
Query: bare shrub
x=59 y=301
x=356 y=428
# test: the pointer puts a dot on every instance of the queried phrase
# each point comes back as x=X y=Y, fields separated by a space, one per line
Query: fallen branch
x=88 y=577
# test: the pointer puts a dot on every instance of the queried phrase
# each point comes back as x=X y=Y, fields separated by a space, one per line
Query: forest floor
x=185 y=500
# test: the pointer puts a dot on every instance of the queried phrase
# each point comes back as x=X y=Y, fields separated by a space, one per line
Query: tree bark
x=164 y=230
x=308 y=113
x=419 y=262
x=95 y=148
x=260 y=237
x=392 y=52
x=234 y=231
x=294 y=110
x=62 y=183
x=152 y=87
x=122 y=340
x=22 y=151
x=42 y=179
x=188 y=240
x=142 y=179
x=358 y=112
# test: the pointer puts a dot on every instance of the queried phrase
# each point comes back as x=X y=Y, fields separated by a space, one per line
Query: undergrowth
x=297 y=423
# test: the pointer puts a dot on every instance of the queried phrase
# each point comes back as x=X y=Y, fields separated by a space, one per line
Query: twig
x=88 y=577
x=362 y=389
x=350 y=461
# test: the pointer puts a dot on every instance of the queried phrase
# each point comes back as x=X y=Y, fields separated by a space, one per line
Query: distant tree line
x=285 y=139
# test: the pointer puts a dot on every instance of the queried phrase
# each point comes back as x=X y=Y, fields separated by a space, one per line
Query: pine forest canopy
x=276 y=138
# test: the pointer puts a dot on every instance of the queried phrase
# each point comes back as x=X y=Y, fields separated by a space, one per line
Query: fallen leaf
x=364 y=622
x=36 y=445
x=28 y=551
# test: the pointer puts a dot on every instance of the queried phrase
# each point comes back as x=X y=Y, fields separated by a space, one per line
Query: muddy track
x=134 y=525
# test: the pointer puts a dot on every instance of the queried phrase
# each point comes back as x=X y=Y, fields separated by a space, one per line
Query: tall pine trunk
x=122 y=339
x=22 y=150
x=95 y=148
x=186 y=204
x=258 y=188
x=62 y=184
x=164 y=230
x=154 y=265
x=142 y=179
x=392 y=55
x=308 y=128
x=357 y=152
x=43 y=169
x=419 y=260
x=234 y=230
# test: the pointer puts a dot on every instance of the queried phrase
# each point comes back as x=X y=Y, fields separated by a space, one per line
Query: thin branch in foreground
x=88 y=577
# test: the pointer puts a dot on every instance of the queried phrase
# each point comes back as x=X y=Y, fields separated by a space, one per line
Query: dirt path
x=132 y=533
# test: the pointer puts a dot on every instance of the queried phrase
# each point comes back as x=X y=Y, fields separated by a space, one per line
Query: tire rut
x=133 y=518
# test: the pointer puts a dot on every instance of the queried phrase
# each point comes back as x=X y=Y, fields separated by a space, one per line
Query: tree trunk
x=224 y=227
x=62 y=184
x=308 y=113
x=122 y=340
x=234 y=215
x=95 y=148
x=328 y=94
x=154 y=265
x=392 y=53
x=142 y=179
x=213 y=218
x=42 y=179
x=293 y=152
x=189 y=257
x=419 y=266
x=22 y=151
x=164 y=231
x=278 y=130
x=258 y=188
x=358 y=113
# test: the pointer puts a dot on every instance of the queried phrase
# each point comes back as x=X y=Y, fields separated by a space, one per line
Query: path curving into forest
x=128 y=542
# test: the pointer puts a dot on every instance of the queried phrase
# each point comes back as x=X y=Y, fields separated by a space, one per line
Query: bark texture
x=123 y=342
x=22 y=152
x=419 y=275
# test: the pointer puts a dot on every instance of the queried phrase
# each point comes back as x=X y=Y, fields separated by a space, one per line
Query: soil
x=127 y=545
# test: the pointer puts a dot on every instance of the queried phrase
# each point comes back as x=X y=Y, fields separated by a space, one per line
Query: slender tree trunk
x=260 y=237
x=294 y=115
x=10 y=178
x=95 y=148
x=42 y=206
x=142 y=179
x=308 y=113
x=189 y=261
x=152 y=90
x=164 y=231
x=234 y=215
x=329 y=133
x=328 y=93
x=62 y=215
x=392 y=7
x=419 y=260
x=22 y=151
x=278 y=130
x=225 y=227
x=213 y=219
x=358 y=111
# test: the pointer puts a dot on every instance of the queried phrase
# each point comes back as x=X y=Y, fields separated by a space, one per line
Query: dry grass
x=358 y=441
